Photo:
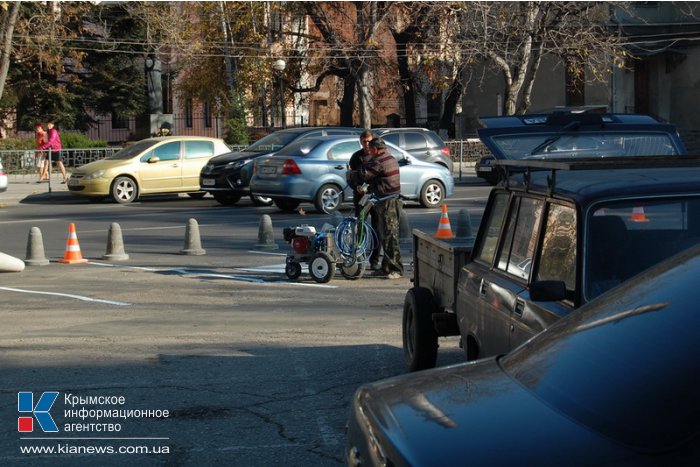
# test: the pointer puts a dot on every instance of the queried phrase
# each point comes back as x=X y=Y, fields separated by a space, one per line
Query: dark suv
x=227 y=177
x=571 y=135
x=418 y=142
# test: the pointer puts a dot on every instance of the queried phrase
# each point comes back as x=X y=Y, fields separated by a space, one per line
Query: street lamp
x=279 y=65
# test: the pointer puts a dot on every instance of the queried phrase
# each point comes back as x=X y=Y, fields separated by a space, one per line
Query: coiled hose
x=345 y=238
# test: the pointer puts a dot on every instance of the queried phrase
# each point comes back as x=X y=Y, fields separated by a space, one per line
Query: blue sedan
x=313 y=170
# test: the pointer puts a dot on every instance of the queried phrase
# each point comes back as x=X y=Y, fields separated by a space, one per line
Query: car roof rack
x=591 y=163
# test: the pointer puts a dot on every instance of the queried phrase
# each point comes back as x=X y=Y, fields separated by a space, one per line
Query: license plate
x=485 y=169
x=208 y=182
x=268 y=170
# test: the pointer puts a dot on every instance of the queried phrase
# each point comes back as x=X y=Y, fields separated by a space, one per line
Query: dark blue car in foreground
x=617 y=382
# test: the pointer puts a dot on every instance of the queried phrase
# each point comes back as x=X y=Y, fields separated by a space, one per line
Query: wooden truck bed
x=437 y=264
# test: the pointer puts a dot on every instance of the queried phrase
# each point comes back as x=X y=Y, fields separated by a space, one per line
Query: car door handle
x=339 y=167
x=519 y=306
x=482 y=289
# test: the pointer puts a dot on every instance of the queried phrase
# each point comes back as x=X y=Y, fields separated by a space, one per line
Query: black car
x=227 y=177
x=569 y=134
x=614 y=383
x=420 y=143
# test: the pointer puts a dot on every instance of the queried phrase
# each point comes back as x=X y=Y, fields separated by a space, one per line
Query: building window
x=188 y=113
x=206 y=114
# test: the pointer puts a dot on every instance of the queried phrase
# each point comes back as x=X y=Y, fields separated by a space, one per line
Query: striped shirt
x=382 y=174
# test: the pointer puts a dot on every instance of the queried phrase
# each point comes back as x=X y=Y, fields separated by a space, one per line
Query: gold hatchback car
x=168 y=164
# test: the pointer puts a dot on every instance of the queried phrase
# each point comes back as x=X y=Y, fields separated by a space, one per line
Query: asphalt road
x=252 y=369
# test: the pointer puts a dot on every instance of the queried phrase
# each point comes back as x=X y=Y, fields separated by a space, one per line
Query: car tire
x=261 y=200
x=293 y=270
x=432 y=195
x=226 y=199
x=328 y=198
x=322 y=268
x=124 y=190
x=353 y=272
x=287 y=205
x=197 y=195
x=420 y=340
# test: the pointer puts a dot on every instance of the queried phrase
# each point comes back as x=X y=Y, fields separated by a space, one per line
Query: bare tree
x=515 y=36
x=346 y=46
x=7 y=28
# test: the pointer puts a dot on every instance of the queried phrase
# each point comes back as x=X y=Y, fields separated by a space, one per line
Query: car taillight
x=300 y=244
x=290 y=168
x=445 y=151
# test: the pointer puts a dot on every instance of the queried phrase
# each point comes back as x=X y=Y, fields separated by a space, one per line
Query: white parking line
x=67 y=295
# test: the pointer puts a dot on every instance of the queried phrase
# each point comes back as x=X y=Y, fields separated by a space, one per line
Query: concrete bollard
x=193 y=243
x=35 y=249
x=10 y=263
x=115 y=244
x=266 y=237
x=464 y=225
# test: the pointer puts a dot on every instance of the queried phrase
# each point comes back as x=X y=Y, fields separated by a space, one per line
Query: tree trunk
x=405 y=80
x=347 y=104
x=363 y=98
x=8 y=28
x=448 y=109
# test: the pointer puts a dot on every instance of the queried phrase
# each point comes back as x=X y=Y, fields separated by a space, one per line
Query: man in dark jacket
x=384 y=179
x=358 y=161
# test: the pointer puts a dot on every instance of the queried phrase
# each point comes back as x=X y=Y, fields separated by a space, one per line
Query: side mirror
x=153 y=159
x=547 y=291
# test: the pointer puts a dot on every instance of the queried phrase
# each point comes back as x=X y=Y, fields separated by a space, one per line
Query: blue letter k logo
x=25 y=403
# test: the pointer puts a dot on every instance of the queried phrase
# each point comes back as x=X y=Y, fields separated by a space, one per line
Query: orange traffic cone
x=444 y=230
x=72 y=255
x=638 y=215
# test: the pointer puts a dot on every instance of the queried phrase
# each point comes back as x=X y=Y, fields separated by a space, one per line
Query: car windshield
x=300 y=148
x=585 y=144
x=272 y=142
x=133 y=150
x=625 y=365
x=627 y=237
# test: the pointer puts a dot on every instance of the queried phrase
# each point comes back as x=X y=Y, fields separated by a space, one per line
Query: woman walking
x=54 y=143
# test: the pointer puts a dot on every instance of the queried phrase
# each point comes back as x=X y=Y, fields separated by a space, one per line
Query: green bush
x=237 y=132
x=80 y=141
x=17 y=143
x=68 y=140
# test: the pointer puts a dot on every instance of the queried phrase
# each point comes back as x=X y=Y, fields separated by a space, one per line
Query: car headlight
x=94 y=175
x=236 y=164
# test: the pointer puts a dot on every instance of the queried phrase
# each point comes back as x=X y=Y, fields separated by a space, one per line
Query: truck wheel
x=353 y=272
x=322 y=268
x=420 y=341
x=292 y=270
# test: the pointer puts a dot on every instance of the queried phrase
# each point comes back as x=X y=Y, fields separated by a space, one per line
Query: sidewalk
x=20 y=187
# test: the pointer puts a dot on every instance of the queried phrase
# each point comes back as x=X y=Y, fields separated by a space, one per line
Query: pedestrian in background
x=40 y=135
x=358 y=161
x=384 y=179
x=54 y=143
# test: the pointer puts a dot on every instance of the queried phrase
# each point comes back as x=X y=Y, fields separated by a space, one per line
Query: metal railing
x=464 y=153
x=26 y=161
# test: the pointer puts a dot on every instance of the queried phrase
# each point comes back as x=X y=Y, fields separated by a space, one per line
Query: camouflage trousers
x=388 y=214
